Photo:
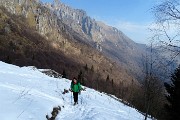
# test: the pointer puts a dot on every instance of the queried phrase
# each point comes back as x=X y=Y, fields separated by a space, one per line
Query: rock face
x=51 y=19
x=108 y=40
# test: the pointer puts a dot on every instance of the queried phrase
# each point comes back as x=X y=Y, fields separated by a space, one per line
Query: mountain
x=28 y=94
x=38 y=34
x=109 y=40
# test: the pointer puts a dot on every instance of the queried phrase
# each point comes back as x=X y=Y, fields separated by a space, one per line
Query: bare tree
x=152 y=86
x=167 y=27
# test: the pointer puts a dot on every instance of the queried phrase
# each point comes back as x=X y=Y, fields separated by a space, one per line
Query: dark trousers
x=75 y=95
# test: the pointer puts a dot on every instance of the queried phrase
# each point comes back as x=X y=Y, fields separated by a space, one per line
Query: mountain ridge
x=108 y=40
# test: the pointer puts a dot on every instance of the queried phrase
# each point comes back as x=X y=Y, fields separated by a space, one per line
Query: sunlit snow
x=28 y=94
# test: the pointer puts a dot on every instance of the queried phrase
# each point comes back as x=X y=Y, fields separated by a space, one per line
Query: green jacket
x=75 y=87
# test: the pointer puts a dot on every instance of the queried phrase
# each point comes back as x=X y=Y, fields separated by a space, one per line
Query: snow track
x=28 y=94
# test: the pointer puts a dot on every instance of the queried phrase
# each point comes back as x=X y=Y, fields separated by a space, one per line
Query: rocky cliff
x=108 y=40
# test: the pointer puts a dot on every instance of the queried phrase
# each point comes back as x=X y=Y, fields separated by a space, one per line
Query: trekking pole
x=71 y=97
x=81 y=99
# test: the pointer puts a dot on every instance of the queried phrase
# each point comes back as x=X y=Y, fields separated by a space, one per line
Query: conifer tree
x=107 y=79
x=112 y=82
x=81 y=77
x=92 y=68
x=8 y=60
x=173 y=96
x=86 y=67
x=64 y=74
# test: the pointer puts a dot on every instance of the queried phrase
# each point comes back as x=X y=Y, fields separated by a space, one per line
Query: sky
x=133 y=17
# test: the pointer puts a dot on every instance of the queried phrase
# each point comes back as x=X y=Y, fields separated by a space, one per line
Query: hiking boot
x=75 y=103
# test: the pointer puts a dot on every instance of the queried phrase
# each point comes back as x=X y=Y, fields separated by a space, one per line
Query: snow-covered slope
x=28 y=94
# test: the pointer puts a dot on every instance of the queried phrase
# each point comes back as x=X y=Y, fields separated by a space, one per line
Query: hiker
x=75 y=88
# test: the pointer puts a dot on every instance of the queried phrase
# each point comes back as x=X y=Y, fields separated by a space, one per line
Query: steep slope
x=22 y=45
x=28 y=94
x=58 y=47
x=109 y=40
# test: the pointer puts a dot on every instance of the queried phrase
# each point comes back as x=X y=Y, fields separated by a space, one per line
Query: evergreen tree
x=173 y=96
x=86 y=68
x=8 y=60
x=92 y=68
x=107 y=79
x=112 y=83
x=107 y=86
x=112 y=86
x=33 y=57
x=64 y=74
x=81 y=77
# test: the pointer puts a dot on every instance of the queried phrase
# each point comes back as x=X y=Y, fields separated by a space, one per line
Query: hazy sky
x=132 y=17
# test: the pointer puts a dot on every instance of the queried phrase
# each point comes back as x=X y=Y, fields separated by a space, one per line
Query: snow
x=28 y=94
